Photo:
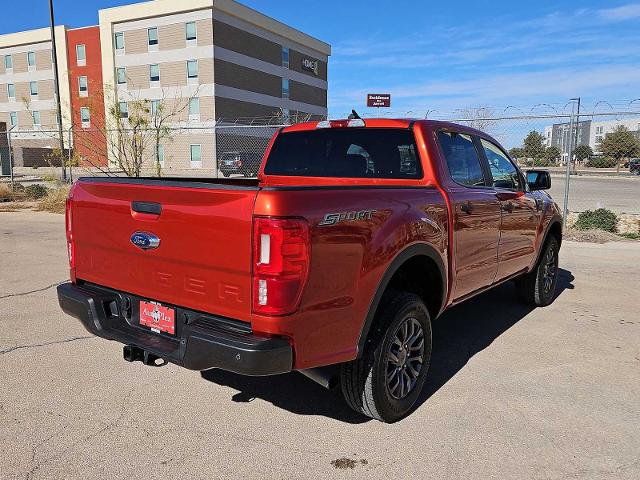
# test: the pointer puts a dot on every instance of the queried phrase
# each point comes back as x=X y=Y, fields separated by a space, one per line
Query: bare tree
x=134 y=129
x=479 y=118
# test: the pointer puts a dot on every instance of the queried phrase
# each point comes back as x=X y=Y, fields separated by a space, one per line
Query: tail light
x=281 y=264
x=70 y=244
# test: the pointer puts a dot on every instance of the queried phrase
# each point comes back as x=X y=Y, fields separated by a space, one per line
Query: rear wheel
x=538 y=287
x=386 y=381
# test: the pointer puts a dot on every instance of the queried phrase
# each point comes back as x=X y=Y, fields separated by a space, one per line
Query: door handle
x=466 y=207
x=507 y=207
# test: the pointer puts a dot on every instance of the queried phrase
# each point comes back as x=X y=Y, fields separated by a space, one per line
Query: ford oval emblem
x=145 y=240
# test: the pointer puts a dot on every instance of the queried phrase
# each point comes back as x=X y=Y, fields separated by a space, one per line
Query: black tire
x=226 y=174
x=364 y=381
x=538 y=287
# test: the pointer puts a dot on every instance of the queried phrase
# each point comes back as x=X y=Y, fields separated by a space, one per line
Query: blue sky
x=446 y=55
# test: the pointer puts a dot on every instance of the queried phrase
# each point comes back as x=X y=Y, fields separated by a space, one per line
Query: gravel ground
x=514 y=393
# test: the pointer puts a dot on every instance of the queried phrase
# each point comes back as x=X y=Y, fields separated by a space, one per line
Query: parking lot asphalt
x=513 y=393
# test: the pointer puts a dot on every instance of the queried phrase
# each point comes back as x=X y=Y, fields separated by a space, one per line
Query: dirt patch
x=592 y=236
x=345 y=463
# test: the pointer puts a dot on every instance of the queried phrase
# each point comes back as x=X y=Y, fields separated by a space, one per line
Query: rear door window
x=462 y=158
x=346 y=153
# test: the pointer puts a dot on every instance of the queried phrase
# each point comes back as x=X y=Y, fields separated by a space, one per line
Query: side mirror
x=538 y=179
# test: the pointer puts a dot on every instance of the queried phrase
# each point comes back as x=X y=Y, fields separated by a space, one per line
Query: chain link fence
x=594 y=158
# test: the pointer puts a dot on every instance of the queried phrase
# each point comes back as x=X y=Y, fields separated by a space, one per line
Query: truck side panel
x=348 y=258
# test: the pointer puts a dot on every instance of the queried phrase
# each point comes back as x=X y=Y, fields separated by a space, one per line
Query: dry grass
x=592 y=236
x=6 y=195
x=55 y=200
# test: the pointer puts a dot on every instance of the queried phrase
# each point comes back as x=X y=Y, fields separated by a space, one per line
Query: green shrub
x=601 y=162
x=600 y=219
x=36 y=191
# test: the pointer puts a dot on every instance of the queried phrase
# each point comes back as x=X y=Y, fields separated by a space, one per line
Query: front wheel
x=538 y=287
x=386 y=381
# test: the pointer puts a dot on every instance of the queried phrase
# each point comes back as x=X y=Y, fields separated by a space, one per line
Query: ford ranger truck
x=334 y=262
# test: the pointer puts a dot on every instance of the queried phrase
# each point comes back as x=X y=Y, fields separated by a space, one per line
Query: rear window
x=345 y=152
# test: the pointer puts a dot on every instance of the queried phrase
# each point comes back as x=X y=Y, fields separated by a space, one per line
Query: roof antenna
x=353 y=115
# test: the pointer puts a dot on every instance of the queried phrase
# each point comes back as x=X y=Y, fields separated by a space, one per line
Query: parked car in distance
x=244 y=163
x=634 y=166
x=333 y=262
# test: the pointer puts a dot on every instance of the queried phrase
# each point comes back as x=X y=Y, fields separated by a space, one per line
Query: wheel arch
x=409 y=261
x=553 y=228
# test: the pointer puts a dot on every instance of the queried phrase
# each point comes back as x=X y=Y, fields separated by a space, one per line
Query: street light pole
x=56 y=85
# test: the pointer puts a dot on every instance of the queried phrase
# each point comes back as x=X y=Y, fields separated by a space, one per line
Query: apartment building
x=27 y=103
x=589 y=132
x=209 y=61
x=201 y=63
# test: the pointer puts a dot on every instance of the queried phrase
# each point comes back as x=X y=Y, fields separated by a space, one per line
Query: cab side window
x=462 y=158
x=503 y=171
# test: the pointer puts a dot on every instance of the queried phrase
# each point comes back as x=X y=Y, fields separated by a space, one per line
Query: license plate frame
x=157 y=317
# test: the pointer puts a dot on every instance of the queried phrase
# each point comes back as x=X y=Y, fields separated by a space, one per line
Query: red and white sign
x=378 y=99
x=158 y=318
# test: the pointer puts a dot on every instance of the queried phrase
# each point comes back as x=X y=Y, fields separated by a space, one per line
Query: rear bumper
x=201 y=342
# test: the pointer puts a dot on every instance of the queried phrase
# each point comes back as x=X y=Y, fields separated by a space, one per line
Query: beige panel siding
x=205 y=71
x=43 y=60
x=25 y=120
x=136 y=41
x=22 y=91
x=20 y=62
x=205 y=32
x=206 y=108
x=48 y=119
x=173 y=73
x=138 y=76
x=177 y=152
x=45 y=89
x=172 y=37
x=3 y=93
x=2 y=69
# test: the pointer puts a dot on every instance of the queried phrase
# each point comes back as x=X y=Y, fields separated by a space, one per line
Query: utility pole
x=56 y=85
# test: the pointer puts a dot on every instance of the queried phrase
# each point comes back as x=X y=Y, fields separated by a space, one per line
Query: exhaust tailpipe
x=325 y=376
x=131 y=353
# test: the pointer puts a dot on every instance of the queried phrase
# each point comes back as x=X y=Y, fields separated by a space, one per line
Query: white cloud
x=625 y=12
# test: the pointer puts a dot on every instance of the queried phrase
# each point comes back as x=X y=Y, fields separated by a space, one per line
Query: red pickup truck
x=355 y=236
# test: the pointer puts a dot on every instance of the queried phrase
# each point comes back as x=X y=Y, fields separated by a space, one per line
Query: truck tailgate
x=203 y=260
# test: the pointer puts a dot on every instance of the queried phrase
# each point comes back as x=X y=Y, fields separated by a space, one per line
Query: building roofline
x=26 y=37
x=157 y=8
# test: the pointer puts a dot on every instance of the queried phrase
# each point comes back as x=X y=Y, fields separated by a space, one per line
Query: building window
x=155 y=107
x=152 y=35
x=13 y=119
x=121 y=75
x=119 y=41
x=33 y=88
x=154 y=73
x=285 y=57
x=11 y=91
x=160 y=154
x=192 y=69
x=81 y=55
x=85 y=116
x=191 y=31
x=36 y=118
x=83 y=86
x=31 y=59
x=194 y=109
x=285 y=88
x=8 y=62
x=123 y=108
x=196 y=158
